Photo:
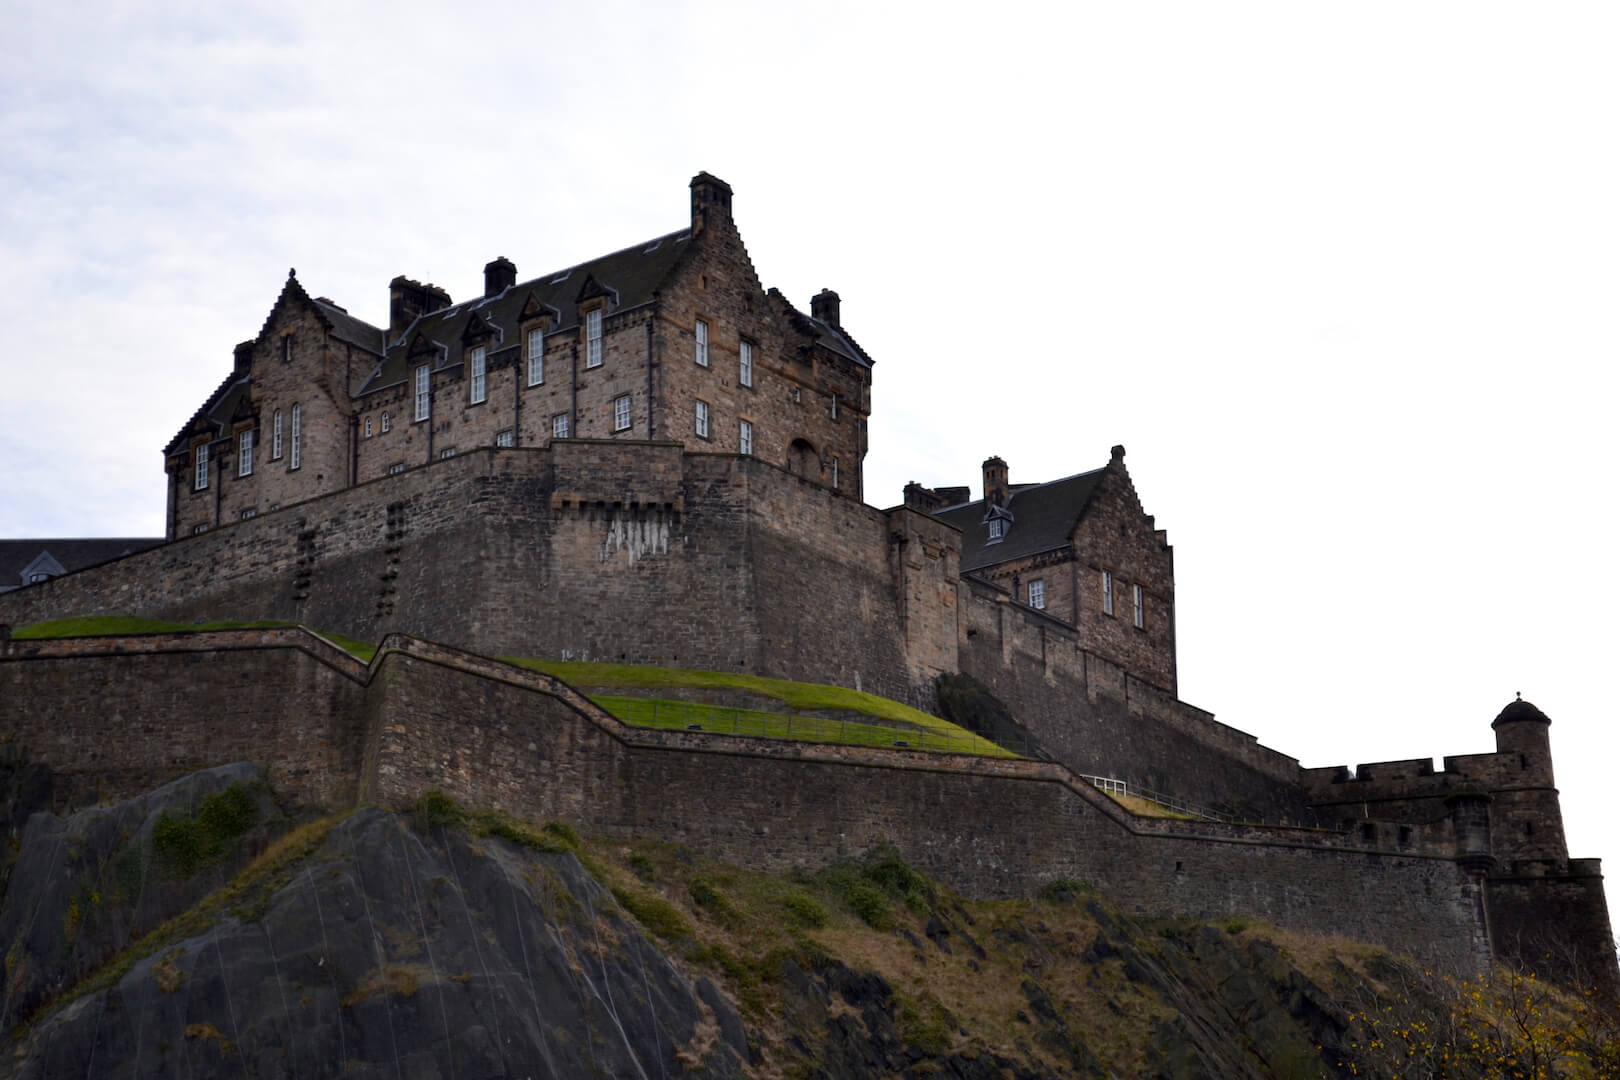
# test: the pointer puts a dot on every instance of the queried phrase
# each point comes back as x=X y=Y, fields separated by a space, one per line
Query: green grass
x=107 y=625
x=681 y=715
x=112 y=625
x=793 y=695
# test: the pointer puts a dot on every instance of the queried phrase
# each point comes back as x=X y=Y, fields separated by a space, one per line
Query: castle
x=651 y=458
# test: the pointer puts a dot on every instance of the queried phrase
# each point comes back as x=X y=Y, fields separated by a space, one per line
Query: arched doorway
x=802 y=460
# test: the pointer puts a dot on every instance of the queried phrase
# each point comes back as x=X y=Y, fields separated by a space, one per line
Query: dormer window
x=593 y=339
x=476 y=372
x=998 y=528
x=998 y=521
x=200 y=479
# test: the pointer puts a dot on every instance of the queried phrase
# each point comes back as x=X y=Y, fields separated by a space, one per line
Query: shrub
x=655 y=913
x=184 y=845
x=804 y=910
x=435 y=808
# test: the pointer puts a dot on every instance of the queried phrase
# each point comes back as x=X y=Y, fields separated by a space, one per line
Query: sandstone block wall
x=116 y=715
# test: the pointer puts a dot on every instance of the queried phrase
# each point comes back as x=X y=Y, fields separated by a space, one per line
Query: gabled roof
x=1043 y=519
x=218 y=409
x=18 y=557
x=630 y=278
x=345 y=327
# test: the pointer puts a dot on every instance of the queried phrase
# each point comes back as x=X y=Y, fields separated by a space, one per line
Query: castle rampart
x=423 y=716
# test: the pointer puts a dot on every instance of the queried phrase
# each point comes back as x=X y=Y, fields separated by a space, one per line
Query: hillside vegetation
x=206 y=931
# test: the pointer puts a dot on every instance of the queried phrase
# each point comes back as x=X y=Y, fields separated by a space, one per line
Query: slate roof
x=346 y=327
x=631 y=277
x=219 y=407
x=1043 y=519
x=17 y=555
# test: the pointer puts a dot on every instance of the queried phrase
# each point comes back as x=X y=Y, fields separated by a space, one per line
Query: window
x=1108 y=593
x=559 y=426
x=249 y=514
x=593 y=339
x=835 y=474
x=1037 y=594
x=537 y=356
x=35 y=579
x=197 y=530
x=998 y=528
x=286 y=349
x=476 y=372
x=621 y=413
x=447 y=452
x=387 y=423
x=506 y=438
x=297 y=433
x=1136 y=607
x=745 y=363
x=200 y=481
x=396 y=468
x=702 y=354
x=745 y=437
x=275 y=436
x=423 y=397
x=834 y=410
x=703 y=419
x=368 y=427
x=244 y=454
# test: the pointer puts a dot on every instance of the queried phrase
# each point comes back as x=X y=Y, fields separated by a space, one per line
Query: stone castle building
x=651 y=458
x=670 y=339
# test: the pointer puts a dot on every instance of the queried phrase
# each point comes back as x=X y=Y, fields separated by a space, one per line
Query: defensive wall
x=330 y=730
x=641 y=552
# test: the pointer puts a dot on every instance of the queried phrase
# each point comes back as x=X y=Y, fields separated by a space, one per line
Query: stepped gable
x=822 y=331
x=216 y=411
x=1044 y=517
x=630 y=277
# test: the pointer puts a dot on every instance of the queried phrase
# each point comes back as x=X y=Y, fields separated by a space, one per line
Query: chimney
x=824 y=306
x=407 y=299
x=244 y=357
x=711 y=201
x=995 y=481
x=499 y=275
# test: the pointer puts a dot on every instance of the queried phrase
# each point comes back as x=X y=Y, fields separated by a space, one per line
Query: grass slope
x=113 y=625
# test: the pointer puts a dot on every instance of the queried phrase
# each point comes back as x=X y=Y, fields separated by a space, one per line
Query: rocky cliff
x=204 y=930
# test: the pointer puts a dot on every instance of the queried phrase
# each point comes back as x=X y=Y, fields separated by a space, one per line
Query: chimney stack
x=499 y=275
x=407 y=299
x=711 y=201
x=244 y=357
x=824 y=306
x=995 y=481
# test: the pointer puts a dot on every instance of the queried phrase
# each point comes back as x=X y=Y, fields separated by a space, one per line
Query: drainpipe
x=219 y=483
x=354 y=450
x=430 y=416
x=653 y=318
x=573 y=392
x=519 y=376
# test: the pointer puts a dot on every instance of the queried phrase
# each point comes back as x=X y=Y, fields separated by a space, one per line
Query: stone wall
x=428 y=717
x=114 y=717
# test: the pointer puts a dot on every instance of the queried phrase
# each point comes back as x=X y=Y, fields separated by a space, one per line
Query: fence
x=1114 y=786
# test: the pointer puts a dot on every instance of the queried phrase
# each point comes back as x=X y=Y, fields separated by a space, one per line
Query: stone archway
x=802 y=460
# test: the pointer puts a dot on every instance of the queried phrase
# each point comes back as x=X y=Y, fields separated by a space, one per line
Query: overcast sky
x=1342 y=278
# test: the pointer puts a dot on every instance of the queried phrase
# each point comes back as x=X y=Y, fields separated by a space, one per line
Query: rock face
x=393 y=951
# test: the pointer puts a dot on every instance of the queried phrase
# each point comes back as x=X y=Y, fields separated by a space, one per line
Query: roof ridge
x=569 y=269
